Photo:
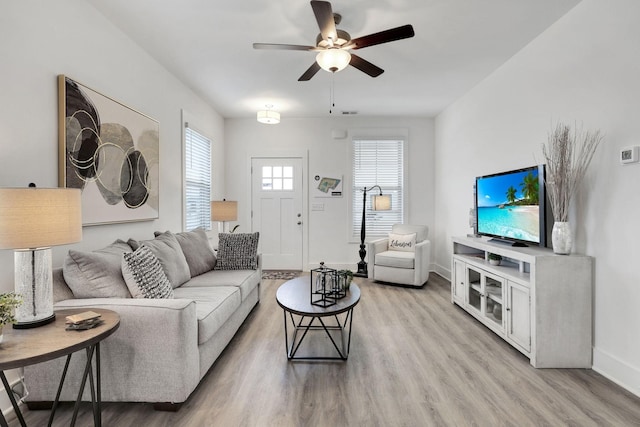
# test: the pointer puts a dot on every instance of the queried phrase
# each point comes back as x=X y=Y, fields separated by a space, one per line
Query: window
x=377 y=162
x=197 y=166
x=277 y=178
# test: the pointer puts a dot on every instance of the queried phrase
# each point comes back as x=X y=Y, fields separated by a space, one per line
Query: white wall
x=584 y=69
x=41 y=39
x=326 y=231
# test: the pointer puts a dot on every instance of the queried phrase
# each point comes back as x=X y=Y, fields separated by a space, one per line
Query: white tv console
x=539 y=302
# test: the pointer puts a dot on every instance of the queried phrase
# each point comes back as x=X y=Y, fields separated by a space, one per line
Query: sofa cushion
x=397 y=259
x=144 y=275
x=197 y=251
x=246 y=280
x=402 y=242
x=214 y=306
x=168 y=251
x=97 y=274
x=237 y=251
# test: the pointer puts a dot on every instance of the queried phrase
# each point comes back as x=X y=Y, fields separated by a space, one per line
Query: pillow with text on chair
x=402 y=242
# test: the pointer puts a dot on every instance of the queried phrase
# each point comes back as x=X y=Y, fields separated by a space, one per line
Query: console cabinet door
x=519 y=315
x=458 y=282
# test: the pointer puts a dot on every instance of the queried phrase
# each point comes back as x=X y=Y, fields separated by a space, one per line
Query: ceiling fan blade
x=365 y=66
x=399 y=33
x=324 y=15
x=311 y=71
x=274 y=46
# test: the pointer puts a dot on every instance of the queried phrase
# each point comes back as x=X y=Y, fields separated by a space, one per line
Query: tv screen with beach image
x=508 y=205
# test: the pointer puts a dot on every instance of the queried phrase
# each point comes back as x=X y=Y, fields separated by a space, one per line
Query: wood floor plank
x=415 y=360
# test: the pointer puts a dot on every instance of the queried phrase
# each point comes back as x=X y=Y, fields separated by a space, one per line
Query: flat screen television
x=510 y=206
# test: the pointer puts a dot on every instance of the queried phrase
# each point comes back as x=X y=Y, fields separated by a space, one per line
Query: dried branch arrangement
x=568 y=155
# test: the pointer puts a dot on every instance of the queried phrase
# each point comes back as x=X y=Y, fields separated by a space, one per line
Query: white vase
x=561 y=238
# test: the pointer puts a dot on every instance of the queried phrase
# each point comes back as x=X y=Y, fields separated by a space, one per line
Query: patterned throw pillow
x=144 y=275
x=237 y=251
x=402 y=242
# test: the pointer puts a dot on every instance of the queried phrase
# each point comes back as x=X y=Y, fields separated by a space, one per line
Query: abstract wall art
x=110 y=152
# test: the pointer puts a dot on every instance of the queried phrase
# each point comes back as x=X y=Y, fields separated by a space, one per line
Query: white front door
x=276 y=205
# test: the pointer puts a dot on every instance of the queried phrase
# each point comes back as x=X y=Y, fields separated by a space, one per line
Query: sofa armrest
x=155 y=337
x=423 y=261
x=375 y=247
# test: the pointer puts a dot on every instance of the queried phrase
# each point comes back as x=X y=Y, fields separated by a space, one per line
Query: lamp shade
x=333 y=59
x=224 y=210
x=381 y=202
x=269 y=117
x=39 y=217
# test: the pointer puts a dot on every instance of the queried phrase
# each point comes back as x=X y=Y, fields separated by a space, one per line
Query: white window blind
x=197 y=180
x=377 y=162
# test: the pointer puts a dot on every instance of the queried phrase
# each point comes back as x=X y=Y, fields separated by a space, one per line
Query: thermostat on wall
x=629 y=154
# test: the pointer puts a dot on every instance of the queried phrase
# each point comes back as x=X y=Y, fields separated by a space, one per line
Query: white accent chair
x=400 y=267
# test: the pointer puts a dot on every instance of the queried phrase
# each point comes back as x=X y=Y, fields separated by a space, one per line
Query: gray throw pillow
x=167 y=249
x=97 y=274
x=237 y=251
x=197 y=250
x=144 y=275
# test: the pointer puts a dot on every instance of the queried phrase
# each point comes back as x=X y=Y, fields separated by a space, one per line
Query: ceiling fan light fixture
x=268 y=116
x=333 y=59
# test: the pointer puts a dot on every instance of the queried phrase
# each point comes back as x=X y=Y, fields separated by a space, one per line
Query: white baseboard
x=444 y=272
x=616 y=370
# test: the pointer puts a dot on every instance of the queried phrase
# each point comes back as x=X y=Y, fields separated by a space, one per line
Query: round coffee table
x=294 y=296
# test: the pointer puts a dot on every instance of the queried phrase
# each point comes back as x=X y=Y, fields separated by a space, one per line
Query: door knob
x=299 y=222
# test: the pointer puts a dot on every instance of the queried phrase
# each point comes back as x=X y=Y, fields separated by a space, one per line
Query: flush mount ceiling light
x=269 y=116
x=333 y=60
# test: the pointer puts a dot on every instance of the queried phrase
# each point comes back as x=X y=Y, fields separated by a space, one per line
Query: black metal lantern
x=324 y=283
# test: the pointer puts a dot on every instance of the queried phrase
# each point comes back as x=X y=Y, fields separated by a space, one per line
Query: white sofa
x=163 y=347
x=410 y=268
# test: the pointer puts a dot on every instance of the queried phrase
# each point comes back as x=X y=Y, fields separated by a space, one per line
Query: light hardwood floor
x=416 y=360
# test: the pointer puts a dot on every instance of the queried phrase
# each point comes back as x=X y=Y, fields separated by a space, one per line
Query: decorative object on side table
x=31 y=221
x=495 y=259
x=345 y=277
x=8 y=302
x=568 y=154
x=325 y=286
x=378 y=203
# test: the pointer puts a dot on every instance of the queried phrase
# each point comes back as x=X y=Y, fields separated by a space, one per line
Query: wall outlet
x=629 y=154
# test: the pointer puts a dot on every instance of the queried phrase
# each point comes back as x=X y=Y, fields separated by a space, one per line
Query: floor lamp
x=224 y=211
x=31 y=221
x=379 y=202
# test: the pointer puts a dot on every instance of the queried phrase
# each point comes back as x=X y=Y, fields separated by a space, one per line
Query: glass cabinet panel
x=474 y=297
x=493 y=289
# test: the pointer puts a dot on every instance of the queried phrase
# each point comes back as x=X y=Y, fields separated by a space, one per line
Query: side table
x=23 y=347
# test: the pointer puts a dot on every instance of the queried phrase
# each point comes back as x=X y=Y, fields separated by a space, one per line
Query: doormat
x=280 y=274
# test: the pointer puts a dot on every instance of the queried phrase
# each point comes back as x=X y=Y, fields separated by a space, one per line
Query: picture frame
x=327 y=186
x=110 y=152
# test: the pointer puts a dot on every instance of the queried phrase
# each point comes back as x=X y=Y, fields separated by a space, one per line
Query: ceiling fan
x=334 y=45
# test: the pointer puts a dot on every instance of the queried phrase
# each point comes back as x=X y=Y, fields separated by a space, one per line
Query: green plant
x=8 y=302
x=495 y=257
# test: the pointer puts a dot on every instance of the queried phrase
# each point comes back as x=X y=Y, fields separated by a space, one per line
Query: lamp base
x=362 y=270
x=35 y=323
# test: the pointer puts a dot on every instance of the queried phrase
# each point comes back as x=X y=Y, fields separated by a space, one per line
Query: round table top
x=295 y=296
x=22 y=347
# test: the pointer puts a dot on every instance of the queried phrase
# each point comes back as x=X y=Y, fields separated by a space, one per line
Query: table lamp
x=380 y=202
x=224 y=211
x=31 y=221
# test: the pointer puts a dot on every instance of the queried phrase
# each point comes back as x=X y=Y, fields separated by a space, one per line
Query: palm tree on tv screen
x=530 y=188
x=511 y=194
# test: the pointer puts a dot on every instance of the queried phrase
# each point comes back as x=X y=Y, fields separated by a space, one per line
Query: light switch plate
x=629 y=154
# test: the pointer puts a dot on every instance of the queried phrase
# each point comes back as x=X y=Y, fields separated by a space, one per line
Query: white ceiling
x=208 y=45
